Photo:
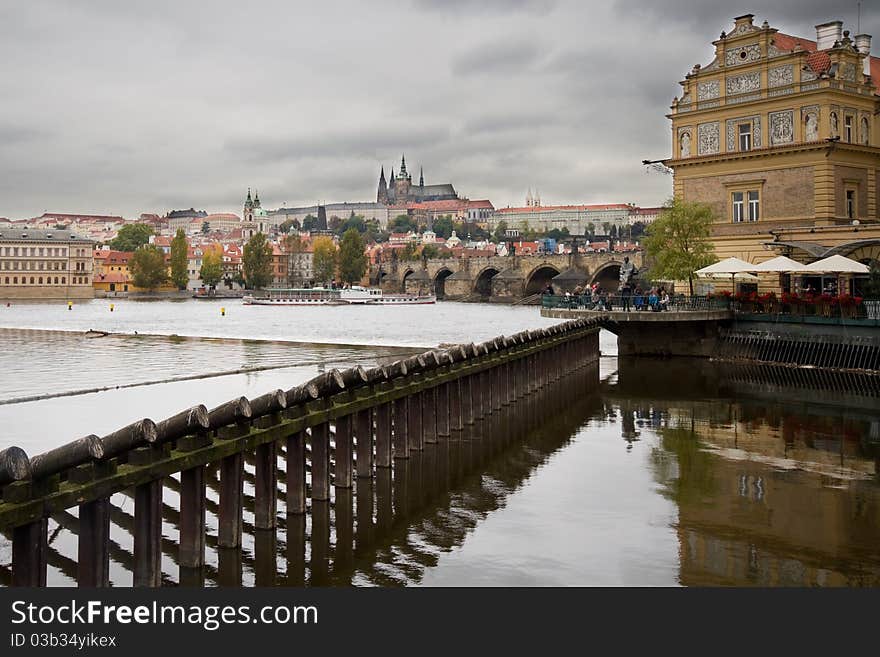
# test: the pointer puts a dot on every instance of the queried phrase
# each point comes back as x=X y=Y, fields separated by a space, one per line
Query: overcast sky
x=116 y=107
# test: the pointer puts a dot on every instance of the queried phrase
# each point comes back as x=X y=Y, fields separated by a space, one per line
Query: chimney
x=828 y=33
x=863 y=45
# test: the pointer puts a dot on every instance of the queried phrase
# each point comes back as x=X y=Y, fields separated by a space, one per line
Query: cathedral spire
x=403 y=166
x=421 y=177
x=256 y=198
x=382 y=176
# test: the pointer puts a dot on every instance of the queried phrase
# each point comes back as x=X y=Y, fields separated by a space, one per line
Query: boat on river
x=319 y=296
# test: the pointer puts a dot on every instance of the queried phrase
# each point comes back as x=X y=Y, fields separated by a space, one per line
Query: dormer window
x=745 y=136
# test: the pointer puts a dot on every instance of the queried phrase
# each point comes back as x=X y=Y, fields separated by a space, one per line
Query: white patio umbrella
x=726 y=266
x=780 y=264
x=740 y=276
x=835 y=264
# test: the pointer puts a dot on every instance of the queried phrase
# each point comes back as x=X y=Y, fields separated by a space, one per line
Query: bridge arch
x=483 y=281
x=409 y=271
x=608 y=275
x=440 y=282
x=539 y=277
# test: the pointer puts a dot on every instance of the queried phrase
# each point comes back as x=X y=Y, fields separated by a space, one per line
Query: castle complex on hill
x=399 y=190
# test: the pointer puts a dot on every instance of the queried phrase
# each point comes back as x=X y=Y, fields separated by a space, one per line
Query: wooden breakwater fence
x=332 y=429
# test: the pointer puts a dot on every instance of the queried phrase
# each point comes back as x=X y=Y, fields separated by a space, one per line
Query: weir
x=338 y=430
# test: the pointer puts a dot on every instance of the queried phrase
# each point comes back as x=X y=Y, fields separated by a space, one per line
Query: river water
x=661 y=473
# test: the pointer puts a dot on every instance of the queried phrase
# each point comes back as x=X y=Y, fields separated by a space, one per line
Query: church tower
x=382 y=194
x=403 y=183
x=248 y=214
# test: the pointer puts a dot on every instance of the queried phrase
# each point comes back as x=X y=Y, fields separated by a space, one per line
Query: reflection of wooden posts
x=429 y=415
x=401 y=428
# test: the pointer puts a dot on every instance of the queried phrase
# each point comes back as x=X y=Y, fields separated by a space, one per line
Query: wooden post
x=467 y=399
x=231 y=482
x=296 y=473
x=265 y=486
x=148 y=534
x=455 y=417
x=414 y=422
x=93 y=551
x=383 y=436
x=344 y=454
x=192 y=517
x=321 y=462
x=30 y=548
x=401 y=434
x=364 y=442
x=229 y=564
x=441 y=409
x=429 y=414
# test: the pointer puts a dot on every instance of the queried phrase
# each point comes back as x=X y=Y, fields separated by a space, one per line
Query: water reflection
x=668 y=472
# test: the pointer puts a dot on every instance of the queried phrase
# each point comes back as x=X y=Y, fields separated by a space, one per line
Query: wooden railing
x=338 y=426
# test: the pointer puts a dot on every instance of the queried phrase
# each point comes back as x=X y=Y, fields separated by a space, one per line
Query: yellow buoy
x=223 y=311
x=69 y=305
x=111 y=307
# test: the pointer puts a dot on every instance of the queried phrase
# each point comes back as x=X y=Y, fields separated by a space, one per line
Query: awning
x=780 y=264
x=726 y=266
x=836 y=264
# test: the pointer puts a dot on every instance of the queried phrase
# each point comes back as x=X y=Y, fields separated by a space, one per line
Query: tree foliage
x=179 y=260
x=256 y=261
x=443 y=226
x=678 y=242
x=352 y=259
x=131 y=236
x=403 y=223
x=212 y=266
x=288 y=224
x=500 y=229
x=309 y=223
x=147 y=267
x=206 y=228
x=324 y=259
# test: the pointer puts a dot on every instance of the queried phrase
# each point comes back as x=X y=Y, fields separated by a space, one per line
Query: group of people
x=595 y=297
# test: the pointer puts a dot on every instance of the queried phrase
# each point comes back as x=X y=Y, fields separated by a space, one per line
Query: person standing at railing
x=664 y=299
x=625 y=294
x=639 y=298
x=653 y=300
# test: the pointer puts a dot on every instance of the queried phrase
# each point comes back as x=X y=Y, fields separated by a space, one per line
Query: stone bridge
x=500 y=278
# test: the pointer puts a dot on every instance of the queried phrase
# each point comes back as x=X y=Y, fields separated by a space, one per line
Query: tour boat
x=317 y=296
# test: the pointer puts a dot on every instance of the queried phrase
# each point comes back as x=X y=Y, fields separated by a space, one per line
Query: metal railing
x=816 y=307
x=636 y=302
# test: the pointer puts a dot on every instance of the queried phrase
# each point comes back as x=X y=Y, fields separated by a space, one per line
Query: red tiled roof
x=484 y=203
x=819 y=61
x=541 y=208
x=450 y=204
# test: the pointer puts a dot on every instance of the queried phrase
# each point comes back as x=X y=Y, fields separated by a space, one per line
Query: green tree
x=430 y=251
x=352 y=259
x=288 y=224
x=591 y=229
x=500 y=229
x=179 y=260
x=130 y=237
x=309 y=222
x=558 y=234
x=354 y=221
x=442 y=226
x=403 y=223
x=212 y=266
x=334 y=223
x=678 y=241
x=606 y=228
x=637 y=230
x=256 y=262
x=324 y=259
x=147 y=267
x=410 y=251
x=206 y=228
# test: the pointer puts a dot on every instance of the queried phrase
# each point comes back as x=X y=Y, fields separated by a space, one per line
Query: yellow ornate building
x=779 y=135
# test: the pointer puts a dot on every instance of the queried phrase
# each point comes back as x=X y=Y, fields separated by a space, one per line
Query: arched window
x=56 y=280
x=63 y=280
x=40 y=280
x=15 y=280
x=32 y=280
x=7 y=280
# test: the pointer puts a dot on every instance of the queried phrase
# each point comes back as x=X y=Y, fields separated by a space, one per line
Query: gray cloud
x=121 y=108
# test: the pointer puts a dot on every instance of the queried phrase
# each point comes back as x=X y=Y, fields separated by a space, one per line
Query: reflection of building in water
x=768 y=493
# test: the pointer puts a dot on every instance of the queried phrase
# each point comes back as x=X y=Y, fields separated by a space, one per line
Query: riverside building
x=45 y=264
x=778 y=134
